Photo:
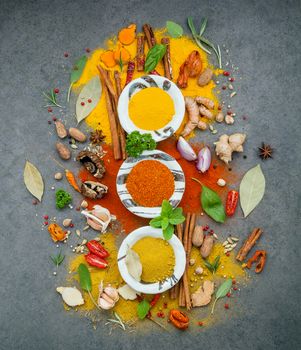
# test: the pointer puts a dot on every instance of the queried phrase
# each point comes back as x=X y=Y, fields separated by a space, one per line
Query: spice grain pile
x=216 y=262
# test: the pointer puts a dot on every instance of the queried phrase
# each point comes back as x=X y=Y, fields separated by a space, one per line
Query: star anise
x=97 y=137
x=265 y=151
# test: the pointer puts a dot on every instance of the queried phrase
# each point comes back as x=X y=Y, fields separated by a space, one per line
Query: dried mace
x=265 y=151
x=92 y=162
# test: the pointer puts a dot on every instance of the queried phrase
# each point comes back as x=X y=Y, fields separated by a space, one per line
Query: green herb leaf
x=90 y=96
x=143 y=309
x=164 y=223
x=84 y=278
x=168 y=232
x=51 y=98
x=136 y=143
x=33 y=180
x=203 y=26
x=57 y=259
x=156 y=222
x=166 y=209
x=154 y=56
x=120 y=63
x=222 y=291
x=174 y=29
x=212 y=204
x=214 y=266
x=176 y=216
x=195 y=36
x=76 y=72
x=251 y=190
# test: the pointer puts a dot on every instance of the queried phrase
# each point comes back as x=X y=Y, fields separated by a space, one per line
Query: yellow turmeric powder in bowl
x=157 y=258
x=151 y=108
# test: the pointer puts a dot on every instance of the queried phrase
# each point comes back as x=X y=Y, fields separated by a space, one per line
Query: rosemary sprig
x=51 y=98
x=57 y=259
x=214 y=266
x=200 y=40
x=118 y=321
x=120 y=63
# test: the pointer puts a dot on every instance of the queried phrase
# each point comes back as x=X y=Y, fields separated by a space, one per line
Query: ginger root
x=203 y=295
x=108 y=58
x=226 y=145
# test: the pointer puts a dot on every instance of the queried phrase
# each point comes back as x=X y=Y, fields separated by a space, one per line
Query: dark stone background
x=264 y=41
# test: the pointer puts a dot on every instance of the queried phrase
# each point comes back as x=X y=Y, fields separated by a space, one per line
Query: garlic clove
x=185 y=149
x=204 y=159
x=104 y=304
x=112 y=293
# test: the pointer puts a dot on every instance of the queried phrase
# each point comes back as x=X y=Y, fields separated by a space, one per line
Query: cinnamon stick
x=191 y=228
x=149 y=34
x=117 y=82
x=140 y=58
x=167 y=59
x=248 y=244
x=174 y=291
x=105 y=76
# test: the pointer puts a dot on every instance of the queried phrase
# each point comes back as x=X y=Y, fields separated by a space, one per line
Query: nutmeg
x=198 y=236
x=207 y=246
x=77 y=135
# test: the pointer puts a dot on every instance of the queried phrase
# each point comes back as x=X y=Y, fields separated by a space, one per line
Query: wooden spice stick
x=191 y=228
x=140 y=57
x=174 y=291
x=248 y=244
x=149 y=34
x=106 y=77
x=167 y=59
x=113 y=124
x=186 y=290
x=186 y=232
x=117 y=82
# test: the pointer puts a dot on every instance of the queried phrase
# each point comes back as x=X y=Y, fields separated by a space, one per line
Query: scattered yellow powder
x=151 y=109
x=180 y=48
x=157 y=258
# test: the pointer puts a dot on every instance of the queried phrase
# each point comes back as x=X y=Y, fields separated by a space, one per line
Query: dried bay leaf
x=252 y=188
x=133 y=264
x=90 y=96
x=33 y=180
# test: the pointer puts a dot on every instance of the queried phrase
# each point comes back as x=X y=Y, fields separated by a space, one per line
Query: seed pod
x=63 y=151
x=60 y=129
x=77 y=135
x=198 y=236
x=207 y=246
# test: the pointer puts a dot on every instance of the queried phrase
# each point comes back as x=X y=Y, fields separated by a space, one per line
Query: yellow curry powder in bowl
x=150 y=182
x=157 y=258
x=151 y=108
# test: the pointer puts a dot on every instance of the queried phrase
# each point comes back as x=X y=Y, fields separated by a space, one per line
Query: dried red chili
x=259 y=257
x=178 y=319
x=96 y=261
x=231 y=203
x=155 y=300
x=97 y=249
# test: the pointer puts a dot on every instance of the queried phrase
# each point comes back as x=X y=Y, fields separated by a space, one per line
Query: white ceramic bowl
x=151 y=288
x=145 y=82
x=126 y=168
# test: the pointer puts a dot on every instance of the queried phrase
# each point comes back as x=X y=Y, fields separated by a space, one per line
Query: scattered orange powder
x=150 y=182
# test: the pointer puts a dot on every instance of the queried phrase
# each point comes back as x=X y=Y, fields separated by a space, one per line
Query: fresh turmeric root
x=127 y=35
x=108 y=59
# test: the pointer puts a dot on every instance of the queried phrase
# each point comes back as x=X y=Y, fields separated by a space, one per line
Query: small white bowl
x=152 y=81
x=126 y=168
x=151 y=288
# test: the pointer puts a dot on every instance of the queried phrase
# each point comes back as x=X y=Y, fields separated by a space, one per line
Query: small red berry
x=71 y=225
x=244 y=117
x=227 y=254
x=45 y=223
x=235 y=288
x=229 y=295
x=231 y=79
x=66 y=54
x=165 y=305
x=227 y=306
x=233 y=282
x=219 y=108
x=88 y=50
x=226 y=73
x=200 y=323
x=56 y=90
x=229 y=112
x=54 y=119
x=49 y=109
x=224 y=87
x=46 y=217
x=34 y=202
x=82 y=103
x=77 y=208
x=89 y=100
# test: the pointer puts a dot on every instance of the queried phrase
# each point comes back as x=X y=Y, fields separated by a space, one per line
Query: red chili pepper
x=96 y=261
x=231 y=203
x=130 y=72
x=97 y=249
x=155 y=300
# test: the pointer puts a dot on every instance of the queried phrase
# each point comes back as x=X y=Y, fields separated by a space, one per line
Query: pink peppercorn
x=71 y=225
x=227 y=306
x=46 y=217
x=89 y=100
x=229 y=295
x=45 y=223
x=56 y=90
x=231 y=79
x=226 y=73
x=224 y=87
x=82 y=103
x=88 y=50
x=200 y=323
x=233 y=282
x=54 y=119
x=66 y=54
x=227 y=254
x=49 y=109
x=34 y=202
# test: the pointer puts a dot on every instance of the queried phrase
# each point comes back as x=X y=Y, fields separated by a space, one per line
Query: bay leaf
x=133 y=264
x=224 y=289
x=174 y=29
x=90 y=92
x=84 y=278
x=33 y=180
x=252 y=188
x=76 y=72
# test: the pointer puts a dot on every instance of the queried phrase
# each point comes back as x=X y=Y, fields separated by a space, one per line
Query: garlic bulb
x=98 y=218
x=108 y=297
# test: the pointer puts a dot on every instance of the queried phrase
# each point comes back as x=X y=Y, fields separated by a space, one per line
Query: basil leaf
x=156 y=222
x=212 y=204
x=174 y=29
x=168 y=232
x=177 y=213
x=224 y=289
x=164 y=223
x=177 y=221
x=84 y=278
x=166 y=209
x=154 y=56
x=143 y=309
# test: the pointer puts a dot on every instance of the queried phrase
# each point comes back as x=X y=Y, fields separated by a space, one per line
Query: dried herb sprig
x=200 y=40
x=117 y=320
x=57 y=259
x=51 y=98
x=212 y=267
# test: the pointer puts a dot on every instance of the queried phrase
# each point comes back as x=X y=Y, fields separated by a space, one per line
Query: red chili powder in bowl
x=150 y=182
